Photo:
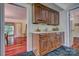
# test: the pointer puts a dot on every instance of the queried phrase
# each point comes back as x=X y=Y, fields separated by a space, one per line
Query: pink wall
x=15 y=12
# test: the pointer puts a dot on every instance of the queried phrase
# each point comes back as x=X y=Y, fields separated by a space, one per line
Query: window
x=9 y=30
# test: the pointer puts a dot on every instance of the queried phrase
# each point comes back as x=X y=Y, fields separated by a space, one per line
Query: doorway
x=15 y=30
x=74 y=28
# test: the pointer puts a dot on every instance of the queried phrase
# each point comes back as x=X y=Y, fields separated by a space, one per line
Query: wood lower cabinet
x=40 y=43
x=46 y=42
x=43 y=46
x=75 y=44
x=51 y=41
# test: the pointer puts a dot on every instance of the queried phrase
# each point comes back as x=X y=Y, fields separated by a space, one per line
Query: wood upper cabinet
x=51 y=17
x=47 y=15
x=37 y=13
x=43 y=14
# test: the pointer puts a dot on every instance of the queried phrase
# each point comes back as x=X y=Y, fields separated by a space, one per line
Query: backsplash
x=44 y=28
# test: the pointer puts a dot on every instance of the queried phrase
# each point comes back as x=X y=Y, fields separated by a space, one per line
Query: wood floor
x=18 y=47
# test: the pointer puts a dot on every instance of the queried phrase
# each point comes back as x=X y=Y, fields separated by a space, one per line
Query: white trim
x=2 y=30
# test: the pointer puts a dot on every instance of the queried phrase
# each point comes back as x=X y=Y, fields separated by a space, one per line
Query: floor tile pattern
x=62 y=51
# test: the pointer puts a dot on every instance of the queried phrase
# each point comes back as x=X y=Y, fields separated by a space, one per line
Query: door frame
x=2 y=41
x=2 y=24
x=70 y=28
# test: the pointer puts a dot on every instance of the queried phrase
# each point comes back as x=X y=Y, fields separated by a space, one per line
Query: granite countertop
x=47 y=32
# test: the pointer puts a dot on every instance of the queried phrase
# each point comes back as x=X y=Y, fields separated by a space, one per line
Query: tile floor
x=62 y=51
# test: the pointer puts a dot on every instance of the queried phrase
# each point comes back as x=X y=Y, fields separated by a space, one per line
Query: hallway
x=15 y=30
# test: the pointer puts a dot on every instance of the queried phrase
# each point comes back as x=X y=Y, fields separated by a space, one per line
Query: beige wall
x=31 y=27
x=64 y=24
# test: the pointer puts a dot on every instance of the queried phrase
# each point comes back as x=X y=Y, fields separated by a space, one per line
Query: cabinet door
x=37 y=13
x=62 y=38
x=43 y=15
x=47 y=16
x=56 y=18
x=57 y=40
x=43 y=45
x=53 y=35
x=35 y=43
x=50 y=42
x=51 y=18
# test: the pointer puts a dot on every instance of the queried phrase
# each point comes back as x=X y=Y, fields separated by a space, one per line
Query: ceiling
x=15 y=12
x=66 y=6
